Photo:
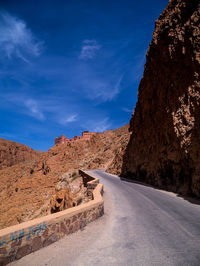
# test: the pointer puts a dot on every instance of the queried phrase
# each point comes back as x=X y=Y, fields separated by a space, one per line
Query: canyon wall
x=164 y=147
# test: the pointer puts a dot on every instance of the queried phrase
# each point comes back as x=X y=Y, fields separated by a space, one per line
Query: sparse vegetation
x=31 y=171
x=74 y=176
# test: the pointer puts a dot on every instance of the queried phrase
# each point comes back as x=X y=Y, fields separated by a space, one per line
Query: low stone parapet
x=19 y=240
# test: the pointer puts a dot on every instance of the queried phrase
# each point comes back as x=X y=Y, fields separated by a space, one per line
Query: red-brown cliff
x=12 y=153
x=164 y=148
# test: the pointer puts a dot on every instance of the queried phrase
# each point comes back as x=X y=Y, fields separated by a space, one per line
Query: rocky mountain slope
x=164 y=147
x=12 y=153
x=116 y=164
x=31 y=189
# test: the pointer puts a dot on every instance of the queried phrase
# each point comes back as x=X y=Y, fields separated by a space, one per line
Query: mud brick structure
x=86 y=135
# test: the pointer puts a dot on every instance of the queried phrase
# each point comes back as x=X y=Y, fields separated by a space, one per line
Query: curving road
x=141 y=226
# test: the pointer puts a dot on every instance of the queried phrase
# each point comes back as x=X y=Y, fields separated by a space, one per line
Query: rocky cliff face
x=12 y=153
x=164 y=147
x=120 y=147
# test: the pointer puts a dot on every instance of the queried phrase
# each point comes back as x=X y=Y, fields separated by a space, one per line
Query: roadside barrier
x=21 y=239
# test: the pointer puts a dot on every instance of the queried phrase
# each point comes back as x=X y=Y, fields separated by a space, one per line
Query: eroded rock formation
x=12 y=153
x=164 y=147
x=69 y=192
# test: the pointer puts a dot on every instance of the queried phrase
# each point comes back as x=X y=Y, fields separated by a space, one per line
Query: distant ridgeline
x=86 y=135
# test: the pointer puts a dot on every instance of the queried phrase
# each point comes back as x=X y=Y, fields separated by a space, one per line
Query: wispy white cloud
x=48 y=108
x=102 y=89
x=24 y=104
x=69 y=119
x=89 y=49
x=97 y=125
x=127 y=110
x=34 y=110
x=16 y=39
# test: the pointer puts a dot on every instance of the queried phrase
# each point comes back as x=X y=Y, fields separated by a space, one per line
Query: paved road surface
x=141 y=226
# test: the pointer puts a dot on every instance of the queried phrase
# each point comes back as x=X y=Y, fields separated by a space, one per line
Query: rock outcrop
x=116 y=164
x=164 y=147
x=12 y=153
x=69 y=192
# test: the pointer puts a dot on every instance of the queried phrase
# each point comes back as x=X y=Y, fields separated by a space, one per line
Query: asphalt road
x=141 y=226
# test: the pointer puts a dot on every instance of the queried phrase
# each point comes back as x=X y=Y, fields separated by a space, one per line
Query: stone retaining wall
x=22 y=239
x=89 y=181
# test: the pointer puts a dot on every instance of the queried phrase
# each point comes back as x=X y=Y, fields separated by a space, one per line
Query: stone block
x=74 y=218
x=4 y=261
x=45 y=233
x=16 y=243
x=53 y=227
x=3 y=251
x=67 y=222
x=37 y=243
x=23 y=251
x=71 y=229
x=63 y=228
x=50 y=239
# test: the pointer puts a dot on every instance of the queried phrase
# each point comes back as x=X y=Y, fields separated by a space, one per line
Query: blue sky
x=69 y=66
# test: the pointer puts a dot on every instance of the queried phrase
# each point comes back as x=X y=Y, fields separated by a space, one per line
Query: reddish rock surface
x=29 y=190
x=115 y=166
x=164 y=148
x=12 y=153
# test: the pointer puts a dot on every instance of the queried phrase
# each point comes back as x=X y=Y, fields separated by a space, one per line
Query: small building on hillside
x=86 y=135
x=61 y=140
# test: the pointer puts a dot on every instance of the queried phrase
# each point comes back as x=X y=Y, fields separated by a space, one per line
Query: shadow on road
x=193 y=200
